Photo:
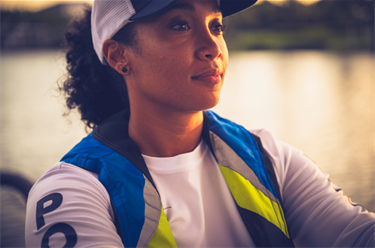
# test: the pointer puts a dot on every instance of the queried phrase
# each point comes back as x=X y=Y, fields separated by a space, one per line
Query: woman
x=159 y=170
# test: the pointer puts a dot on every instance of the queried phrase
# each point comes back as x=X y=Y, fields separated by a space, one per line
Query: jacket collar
x=113 y=133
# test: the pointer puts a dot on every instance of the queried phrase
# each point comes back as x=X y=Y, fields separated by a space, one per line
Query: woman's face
x=180 y=58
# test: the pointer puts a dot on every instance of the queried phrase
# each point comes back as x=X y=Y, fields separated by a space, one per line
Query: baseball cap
x=109 y=16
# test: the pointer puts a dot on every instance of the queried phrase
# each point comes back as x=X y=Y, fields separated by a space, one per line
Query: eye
x=219 y=28
x=181 y=26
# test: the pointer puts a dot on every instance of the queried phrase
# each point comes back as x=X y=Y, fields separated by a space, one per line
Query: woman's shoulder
x=63 y=173
x=69 y=181
x=287 y=160
x=274 y=147
x=70 y=200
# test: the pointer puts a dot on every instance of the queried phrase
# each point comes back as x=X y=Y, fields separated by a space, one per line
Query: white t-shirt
x=317 y=215
x=197 y=201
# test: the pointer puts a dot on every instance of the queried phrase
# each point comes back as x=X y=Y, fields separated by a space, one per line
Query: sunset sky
x=36 y=5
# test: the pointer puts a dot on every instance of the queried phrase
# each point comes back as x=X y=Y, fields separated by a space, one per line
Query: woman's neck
x=162 y=134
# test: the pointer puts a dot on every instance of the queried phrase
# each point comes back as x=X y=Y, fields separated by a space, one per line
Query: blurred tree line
x=36 y=30
x=341 y=25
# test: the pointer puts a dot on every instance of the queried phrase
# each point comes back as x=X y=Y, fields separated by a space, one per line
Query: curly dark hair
x=96 y=90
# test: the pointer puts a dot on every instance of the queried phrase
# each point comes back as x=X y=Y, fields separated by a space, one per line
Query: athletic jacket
x=140 y=219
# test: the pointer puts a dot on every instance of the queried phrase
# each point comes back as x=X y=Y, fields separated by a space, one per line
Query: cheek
x=166 y=64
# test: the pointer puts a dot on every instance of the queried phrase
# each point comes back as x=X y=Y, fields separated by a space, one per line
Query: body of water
x=319 y=102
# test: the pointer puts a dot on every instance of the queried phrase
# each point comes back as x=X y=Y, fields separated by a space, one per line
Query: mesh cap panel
x=108 y=17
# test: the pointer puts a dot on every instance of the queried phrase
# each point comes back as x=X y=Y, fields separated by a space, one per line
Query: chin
x=207 y=103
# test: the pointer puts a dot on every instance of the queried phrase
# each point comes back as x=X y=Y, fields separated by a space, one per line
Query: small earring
x=124 y=69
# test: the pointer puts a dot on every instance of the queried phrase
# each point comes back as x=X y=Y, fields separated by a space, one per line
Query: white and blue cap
x=109 y=16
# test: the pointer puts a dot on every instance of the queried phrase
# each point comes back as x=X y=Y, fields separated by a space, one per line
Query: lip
x=212 y=76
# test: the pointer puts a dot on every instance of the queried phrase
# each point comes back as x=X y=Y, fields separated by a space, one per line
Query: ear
x=115 y=54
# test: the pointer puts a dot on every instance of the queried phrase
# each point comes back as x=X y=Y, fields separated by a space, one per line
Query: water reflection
x=320 y=102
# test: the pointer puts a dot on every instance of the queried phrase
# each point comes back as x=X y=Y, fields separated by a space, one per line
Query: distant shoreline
x=326 y=25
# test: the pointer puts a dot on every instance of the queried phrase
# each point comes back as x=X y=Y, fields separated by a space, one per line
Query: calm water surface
x=322 y=103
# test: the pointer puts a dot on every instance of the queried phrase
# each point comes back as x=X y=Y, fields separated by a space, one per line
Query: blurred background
x=302 y=69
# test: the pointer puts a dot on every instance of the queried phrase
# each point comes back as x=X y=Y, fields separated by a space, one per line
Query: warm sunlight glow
x=281 y=2
x=36 y=5
x=307 y=2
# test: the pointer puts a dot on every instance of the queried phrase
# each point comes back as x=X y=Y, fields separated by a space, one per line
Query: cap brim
x=153 y=8
x=228 y=7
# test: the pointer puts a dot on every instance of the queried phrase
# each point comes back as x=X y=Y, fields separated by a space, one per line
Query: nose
x=208 y=46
